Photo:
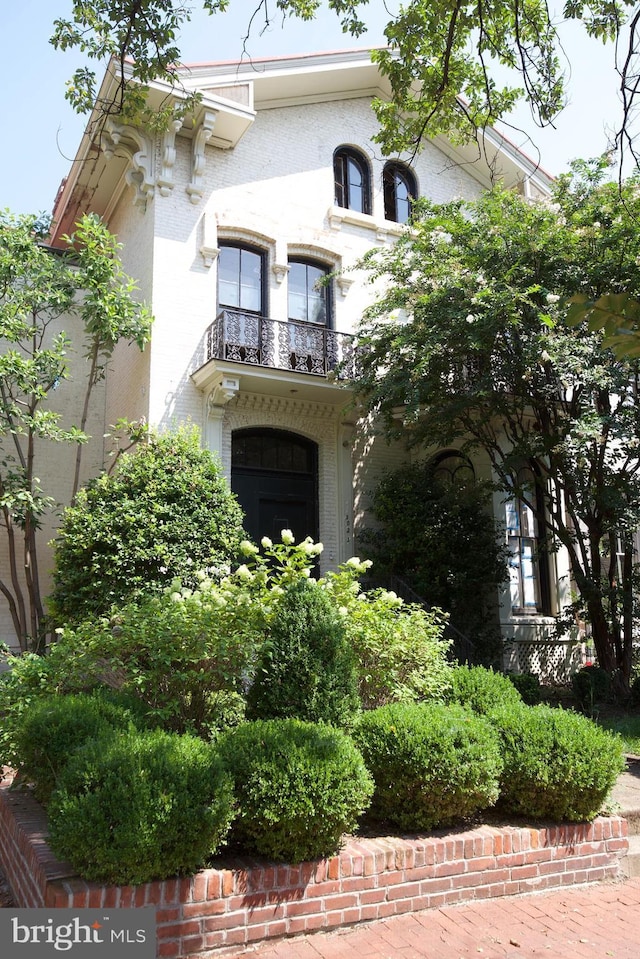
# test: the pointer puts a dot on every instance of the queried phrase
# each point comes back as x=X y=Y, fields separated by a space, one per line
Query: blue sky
x=41 y=132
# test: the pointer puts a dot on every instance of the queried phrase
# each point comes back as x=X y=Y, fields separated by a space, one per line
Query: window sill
x=384 y=229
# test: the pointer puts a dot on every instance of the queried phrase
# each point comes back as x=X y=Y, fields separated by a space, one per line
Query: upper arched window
x=400 y=189
x=352 y=182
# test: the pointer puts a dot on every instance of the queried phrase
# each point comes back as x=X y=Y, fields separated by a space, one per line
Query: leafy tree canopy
x=470 y=345
x=44 y=295
x=437 y=53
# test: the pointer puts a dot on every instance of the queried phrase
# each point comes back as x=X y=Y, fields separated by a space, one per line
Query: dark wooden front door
x=275 y=477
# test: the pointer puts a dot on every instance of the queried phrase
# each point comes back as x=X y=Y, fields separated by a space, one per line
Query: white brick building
x=227 y=220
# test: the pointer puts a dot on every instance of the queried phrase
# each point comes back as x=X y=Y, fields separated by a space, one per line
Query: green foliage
x=24 y=683
x=44 y=296
x=557 y=764
x=54 y=727
x=528 y=685
x=481 y=689
x=489 y=361
x=134 y=807
x=442 y=540
x=167 y=512
x=186 y=654
x=306 y=667
x=432 y=764
x=299 y=787
x=591 y=686
x=437 y=51
x=399 y=649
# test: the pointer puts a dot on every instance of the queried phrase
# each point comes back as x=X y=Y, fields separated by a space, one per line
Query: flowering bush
x=189 y=653
x=399 y=651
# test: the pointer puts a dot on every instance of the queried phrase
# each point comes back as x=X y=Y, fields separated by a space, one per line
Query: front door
x=274 y=474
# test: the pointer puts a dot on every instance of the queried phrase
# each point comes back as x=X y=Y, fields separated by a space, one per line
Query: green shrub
x=399 y=649
x=26 y=680
x=591 y=686
x=299 y=787
x=557 y=764
x=528 y=685
x=166 y=512
x=54 y=727
x=186 y=654
x=306 y=668
x=440 y=537
x=481 y=689
x=134 y=807
x=432 y=764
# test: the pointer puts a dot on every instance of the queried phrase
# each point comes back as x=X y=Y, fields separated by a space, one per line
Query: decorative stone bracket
x=202 y=134
x=127 y=141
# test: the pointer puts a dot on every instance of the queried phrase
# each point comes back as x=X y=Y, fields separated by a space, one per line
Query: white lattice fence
x=553 y=661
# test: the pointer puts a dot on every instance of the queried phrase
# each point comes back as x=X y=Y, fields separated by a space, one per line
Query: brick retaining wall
x=369 y=879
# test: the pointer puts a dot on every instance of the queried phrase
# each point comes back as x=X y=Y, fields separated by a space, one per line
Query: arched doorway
x=274 y=474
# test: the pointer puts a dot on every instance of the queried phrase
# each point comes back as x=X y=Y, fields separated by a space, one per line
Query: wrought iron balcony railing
x=260 y=341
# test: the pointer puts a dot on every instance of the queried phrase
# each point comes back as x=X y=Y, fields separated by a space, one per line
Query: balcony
x=305 y=348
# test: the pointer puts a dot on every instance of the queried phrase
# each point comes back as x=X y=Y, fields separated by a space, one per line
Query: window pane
x=307 y=298
x=317 y=295
x=228 y=276
x=240 y=279
x=339 y=175
x=356 y=194
x=403 y=199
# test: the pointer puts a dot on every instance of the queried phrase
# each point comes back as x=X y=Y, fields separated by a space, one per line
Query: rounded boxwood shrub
x=52 y=729
x=528 y=685
x=591 y=687
x=306 y=668
x=166 y=512
x=557 y=764
x=137 y=806
x=432 y=764
x=481 y=689
x=299 y=786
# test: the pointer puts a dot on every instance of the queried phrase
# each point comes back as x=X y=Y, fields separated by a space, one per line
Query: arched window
x=241 y=278
x=309 y=292
x=400 y=189
x=453 y=469
x=352 y=182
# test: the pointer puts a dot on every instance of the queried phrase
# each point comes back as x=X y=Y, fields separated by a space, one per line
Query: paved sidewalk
x=588 y=922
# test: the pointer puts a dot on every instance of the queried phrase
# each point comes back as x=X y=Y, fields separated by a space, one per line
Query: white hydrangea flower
x=247 y=548
x=266 y=542
x=287 y=537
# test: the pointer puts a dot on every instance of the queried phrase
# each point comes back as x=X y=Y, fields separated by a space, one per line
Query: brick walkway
x=592 y=922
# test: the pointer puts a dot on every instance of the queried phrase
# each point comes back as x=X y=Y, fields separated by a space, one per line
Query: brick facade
x=243 y=901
